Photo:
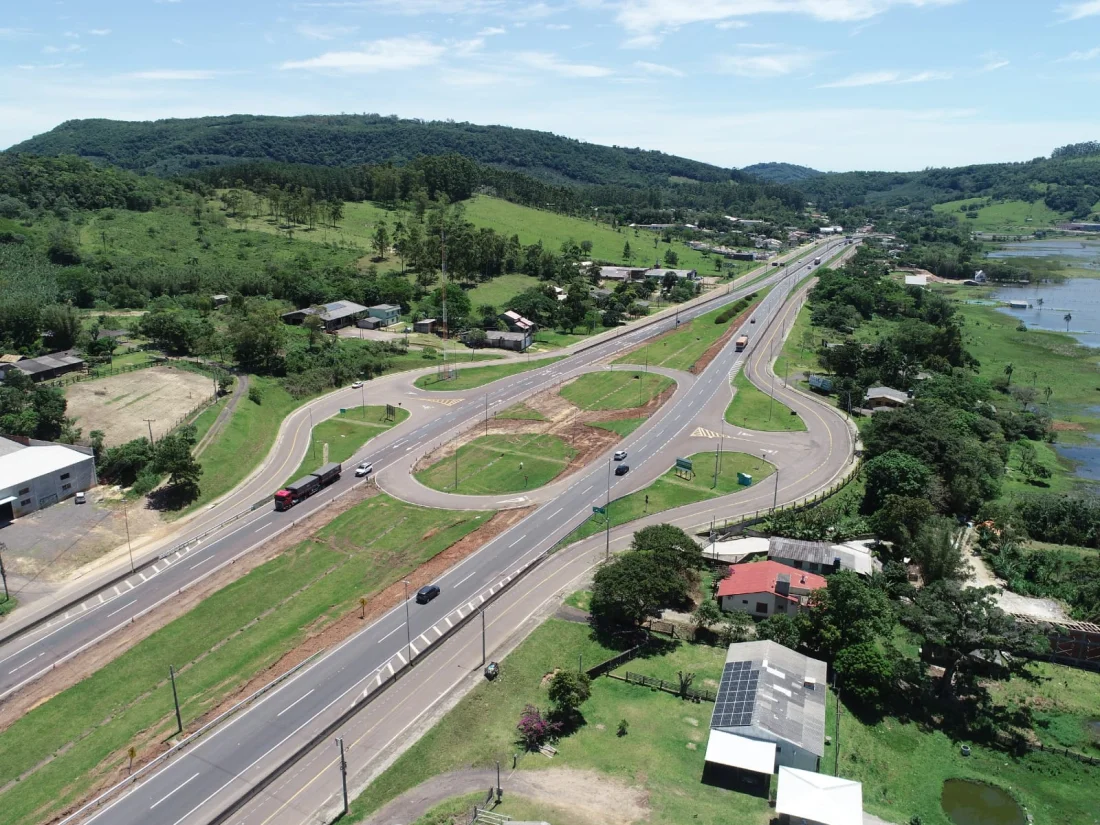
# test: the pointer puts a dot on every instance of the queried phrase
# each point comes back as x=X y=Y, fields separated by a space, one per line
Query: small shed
x=369 y=323
x=818 y=799
x=427 y=326
x=886 y=397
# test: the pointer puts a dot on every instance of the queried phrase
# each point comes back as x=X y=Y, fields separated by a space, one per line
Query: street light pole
x=408 y=630
x=343 y=773
x=775 y=498
x=126 y=517
x=607 y=514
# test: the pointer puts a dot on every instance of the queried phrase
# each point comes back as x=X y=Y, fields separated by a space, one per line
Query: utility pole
x=443 y=264
x=456 y=464
x=175 y=699
x=408 y=631
x=314 y=443
x=3 y=572
x=717 y=452
x=607 y=513
x=486 y=413
x=483 y=637
x=149 y=422
x=775 y=498
x=343 y=772
x=126 y=517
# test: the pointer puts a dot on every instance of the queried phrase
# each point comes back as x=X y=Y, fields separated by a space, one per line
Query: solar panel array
x=736 y=696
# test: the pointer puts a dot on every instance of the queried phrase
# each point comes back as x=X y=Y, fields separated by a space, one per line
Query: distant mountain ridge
x=781 y=172
x=179 y=146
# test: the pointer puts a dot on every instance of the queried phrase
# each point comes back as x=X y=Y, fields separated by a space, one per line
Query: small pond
x=976 y=803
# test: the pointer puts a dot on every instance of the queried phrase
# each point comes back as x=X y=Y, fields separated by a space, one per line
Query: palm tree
x=1039 y=301
x=1067 y=318
x=1008 y=371
x=1048 y=392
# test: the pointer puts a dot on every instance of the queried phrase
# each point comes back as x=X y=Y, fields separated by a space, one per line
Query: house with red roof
x=765 y=588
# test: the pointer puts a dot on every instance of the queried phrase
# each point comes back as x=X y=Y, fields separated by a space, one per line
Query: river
x=1079 y=297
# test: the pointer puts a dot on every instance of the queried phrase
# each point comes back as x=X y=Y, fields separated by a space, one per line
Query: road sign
x=600 y=510
x=391 y=413
x=684 y=464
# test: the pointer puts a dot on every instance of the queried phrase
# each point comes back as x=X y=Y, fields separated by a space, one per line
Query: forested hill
x=169 y=147
x=781 y=172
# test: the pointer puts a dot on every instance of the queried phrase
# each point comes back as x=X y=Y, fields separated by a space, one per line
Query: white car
x=364 y=469
x=357 y=385
x=620 y=455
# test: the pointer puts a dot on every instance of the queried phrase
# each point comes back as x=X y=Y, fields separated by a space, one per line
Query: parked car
x=622 y=470
x=356 y=385
x=365 y=468
x=80 y=498
x=620 y=455
x=426 y=593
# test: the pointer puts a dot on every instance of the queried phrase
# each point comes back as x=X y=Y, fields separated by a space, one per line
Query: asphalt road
x=205 y=778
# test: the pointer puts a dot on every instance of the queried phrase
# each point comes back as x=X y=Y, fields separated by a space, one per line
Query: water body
x=976 y=803
x=1085 y=254
x=1078 y=296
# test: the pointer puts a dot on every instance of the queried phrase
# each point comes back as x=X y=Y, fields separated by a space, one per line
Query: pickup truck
x=304 y=487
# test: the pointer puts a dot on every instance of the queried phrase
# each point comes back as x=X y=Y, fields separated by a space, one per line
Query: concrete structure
x=660 y=272
x=622 y=273
x=764 y=588
x=334 y=316
x=821 y=557
x=916 y=280
x=807 y=798
x=369 y=323
x=386 y=313
x=769 y=713
x=886 y=397
x=45 y=367
x=516 y=341
x=33 y=477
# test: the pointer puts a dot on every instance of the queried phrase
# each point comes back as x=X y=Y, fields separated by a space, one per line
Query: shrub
x=534 y=728
x=255 y=394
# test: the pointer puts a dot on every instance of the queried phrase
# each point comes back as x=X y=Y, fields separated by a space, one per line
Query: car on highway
x=365 y=468
x=620 y=455
x=622 y=470
x=357 y=385
x=426 y=593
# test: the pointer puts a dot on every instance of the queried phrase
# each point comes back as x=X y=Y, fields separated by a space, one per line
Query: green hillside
x=1003 y=217
x=781 y=172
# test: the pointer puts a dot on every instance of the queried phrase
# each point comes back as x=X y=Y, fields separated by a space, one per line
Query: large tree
x=893 y=473
x=848 y=611
x=936 y=551
x=630 y=589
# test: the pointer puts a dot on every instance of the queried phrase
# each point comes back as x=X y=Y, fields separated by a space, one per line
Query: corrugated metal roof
x=20 y=467
x=818 y=552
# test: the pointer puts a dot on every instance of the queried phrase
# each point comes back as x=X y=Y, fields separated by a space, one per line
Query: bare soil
x=1067 y=427
x=121 y=405
x=563 y=419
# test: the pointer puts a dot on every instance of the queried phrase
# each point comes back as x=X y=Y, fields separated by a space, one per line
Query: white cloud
x=47 y=66
x=99 y=32
x=491 y=31
x=1077 y=57
x=389 y=54
x=71 y=35
x=322 y=31
x=886 y=76
x=7 y=33
x=767 y=61
x=178 y=41
x=993 y=61
x=726 y=25
x=546 y=62
x=558 y=27
x=172 y=74
x=657 y=69
x=465 y=48
x=70 y=48
x=1080 y=10
x=465 y=78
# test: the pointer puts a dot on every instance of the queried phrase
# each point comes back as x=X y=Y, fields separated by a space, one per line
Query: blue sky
x=834 y=84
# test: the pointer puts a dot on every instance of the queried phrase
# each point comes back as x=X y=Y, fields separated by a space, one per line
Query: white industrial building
x=807 y=798
x=39 y=474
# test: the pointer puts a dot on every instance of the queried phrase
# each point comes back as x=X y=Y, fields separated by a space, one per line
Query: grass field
x=620 y=390
x=682 y=348
x=520 y=412
x=345 y=434
x=216 y=647
x=1015 y=482
x=500 y=464
x=502 y=289
x=468 y=379
x=668 y=491
x=662 y=751
x=755 y=410
x=623 y=426
x=1006 y=217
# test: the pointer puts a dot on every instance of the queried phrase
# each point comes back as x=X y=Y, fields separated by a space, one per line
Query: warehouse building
x=44 y=367
x=38 y=474
x=334 y=316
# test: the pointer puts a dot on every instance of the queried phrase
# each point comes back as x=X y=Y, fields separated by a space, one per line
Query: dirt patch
x=592 y=795
x=122 y=405
x=547 y=678
x=691 y=720
x=1067 y=427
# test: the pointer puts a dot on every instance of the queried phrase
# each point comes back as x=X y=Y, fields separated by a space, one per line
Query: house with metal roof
x=334 y=315
x=886 y=398
x=769 y=713
x=822 y=557
x=809 y=798
x=765 y=588
x=45 y=367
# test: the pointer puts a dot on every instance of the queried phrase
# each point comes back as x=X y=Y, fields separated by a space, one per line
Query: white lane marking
x=586 y=489
x=261 y=527
x=389 y=634
x=517 y=541
x=109 y=615
x=171 y=792
x=556 y=512
x=292 y=704
x=456 y=584
x=29 y=661
x=204 y=561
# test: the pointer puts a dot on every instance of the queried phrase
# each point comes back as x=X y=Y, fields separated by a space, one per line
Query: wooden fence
x=610 y=664
x=667 y=687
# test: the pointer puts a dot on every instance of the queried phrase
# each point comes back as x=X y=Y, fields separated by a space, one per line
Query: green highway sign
x=601 y=510
x=684 y=464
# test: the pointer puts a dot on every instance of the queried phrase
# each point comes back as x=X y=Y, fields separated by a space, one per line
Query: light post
x=775 y=497
x=408 y=630
x=607 y=514
x=126 y=517
x=314 y=450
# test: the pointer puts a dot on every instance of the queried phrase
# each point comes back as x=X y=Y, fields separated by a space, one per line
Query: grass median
x=670 y=491
x=345 y=434
x=622 y=426
x=471 y=377
x=495 y=464
x=756 y=410
x=621 y=390
x=79 y=737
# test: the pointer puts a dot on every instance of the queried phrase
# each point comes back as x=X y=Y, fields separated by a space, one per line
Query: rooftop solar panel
x=736 y=696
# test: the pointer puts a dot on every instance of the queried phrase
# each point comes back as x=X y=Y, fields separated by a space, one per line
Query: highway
x=208 y=776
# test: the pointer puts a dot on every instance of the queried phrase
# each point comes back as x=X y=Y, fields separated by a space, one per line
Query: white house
x=809 y=798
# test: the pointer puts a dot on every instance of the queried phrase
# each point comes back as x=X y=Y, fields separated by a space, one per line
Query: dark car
x=426 y=593
x=622 y=470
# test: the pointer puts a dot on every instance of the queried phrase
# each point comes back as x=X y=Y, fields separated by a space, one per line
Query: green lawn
x=520 y=412
x=501 y=290
x=662 y=751
x=468 y=379
x=1007 y=217
x=681 y=349
x=344 y=434
x=1064 y=701
x=205 y=420
x=623 y=426
x=216 y=647
x=1015 y=482
x=622 y=390
x=756 y=410
x=668 y=491
x=500 y=464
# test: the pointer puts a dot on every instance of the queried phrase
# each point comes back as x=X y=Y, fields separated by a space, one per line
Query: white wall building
x=33 y=477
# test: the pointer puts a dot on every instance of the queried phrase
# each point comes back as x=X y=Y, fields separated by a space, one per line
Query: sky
x=832 y=84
